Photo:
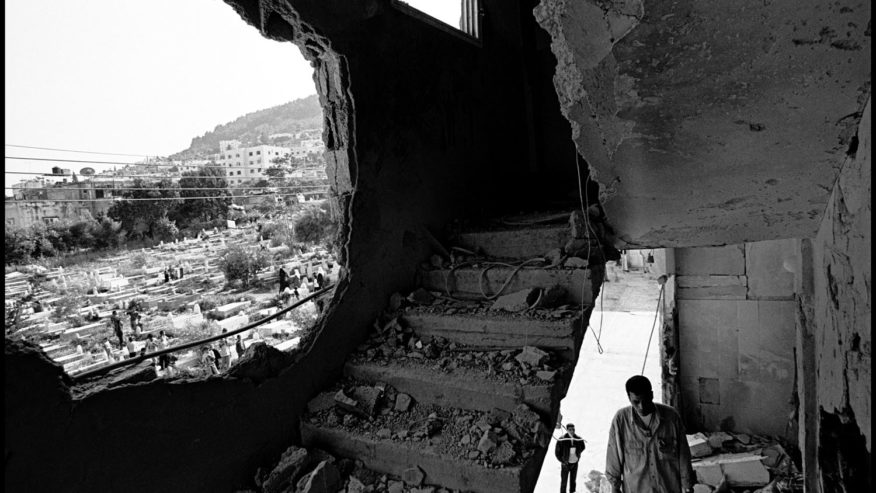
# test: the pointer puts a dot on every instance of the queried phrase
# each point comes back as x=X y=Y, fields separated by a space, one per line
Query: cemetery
x=176 y=287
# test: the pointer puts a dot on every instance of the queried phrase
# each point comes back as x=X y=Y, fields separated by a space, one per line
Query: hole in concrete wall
x=842 y=454
x=248 y=197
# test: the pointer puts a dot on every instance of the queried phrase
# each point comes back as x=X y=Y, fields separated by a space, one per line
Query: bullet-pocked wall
x=736 y=324
x=422 y=126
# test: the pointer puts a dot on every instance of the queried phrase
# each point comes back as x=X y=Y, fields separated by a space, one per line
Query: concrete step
x=501 y=331
x=464 y=387
x=439 y=466
x=467 y=282
x=515 y=243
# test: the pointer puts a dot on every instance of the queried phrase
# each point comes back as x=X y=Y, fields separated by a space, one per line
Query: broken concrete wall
x=736 y=316
x=417 y=123
x=839 y=325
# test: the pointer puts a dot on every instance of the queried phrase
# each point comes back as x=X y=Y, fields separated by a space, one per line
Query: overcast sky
x=135 y=77
x=139 y=77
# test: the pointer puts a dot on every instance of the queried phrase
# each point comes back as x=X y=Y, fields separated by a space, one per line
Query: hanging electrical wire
x=121 y=199
x=77 y=151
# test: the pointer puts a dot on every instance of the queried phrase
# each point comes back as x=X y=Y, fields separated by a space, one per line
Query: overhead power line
x=112 y=177
x=122 y=199
x=81 y=161
x=80 y=152
x=123 y=189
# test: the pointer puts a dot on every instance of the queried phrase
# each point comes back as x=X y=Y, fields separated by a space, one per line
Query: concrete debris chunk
x=702 y=488
x=517 y=301
x=497 y=415
x=576 y=263
x=402 y=402
x=699 y=445
x=742 y=438
x=421 y=297
x=774 y=455
x=547 y=376
x=554 y=296
x=744 y=469
x=488 y=442
x=324 y=479
x=367 y=399
x=355 y=485
x=504 y=454
x=554 y=257
x=395 y=301
x=321 y=402
x=291 y=466
x=346 y=403
x=384 y=433
x=718 y=438
x=424 y=489
x=395 y=487
x=413 y=476
x=579 y=248
x=436 y=261
x=532 y=356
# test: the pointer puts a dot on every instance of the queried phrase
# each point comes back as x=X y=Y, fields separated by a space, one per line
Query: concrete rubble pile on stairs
x=732 y=462
x=458 y=385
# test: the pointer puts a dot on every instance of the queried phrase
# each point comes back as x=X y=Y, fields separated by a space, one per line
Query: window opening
x=461 y=15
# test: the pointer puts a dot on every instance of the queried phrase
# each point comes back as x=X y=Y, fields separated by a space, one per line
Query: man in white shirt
x=568 y=451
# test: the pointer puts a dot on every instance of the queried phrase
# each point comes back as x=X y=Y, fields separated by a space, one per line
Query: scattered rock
x=402 y=402
x=395 y=487
x=346 y=403
x=702 y=488
x=355 y=485
x=532 y=356
x=503 y=454
x=421 y=297
x=516 y=302
x=554 y=296
x=367 y=398
x=436 y=261
x=488 y=442
x=384 y=433
x=576 y=263
x=292 y=465
x=508 y=366
x=395 y=301
x=413 y=476
x=554 y=257
x=579 y=248
x=474 y=454
x=321 y=402
x=547 y=376
x=717 y=439
x=699 y=445
x=496 y=416
x=260 y=362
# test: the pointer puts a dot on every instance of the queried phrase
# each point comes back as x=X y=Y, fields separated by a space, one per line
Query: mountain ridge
x=256 y=127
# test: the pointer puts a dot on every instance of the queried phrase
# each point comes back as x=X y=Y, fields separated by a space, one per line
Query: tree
x=164 y=229
x=108 y=233
x=315 y=225
x=239 y=263
x=278 y=170
x=139 y=216
x=208 y=181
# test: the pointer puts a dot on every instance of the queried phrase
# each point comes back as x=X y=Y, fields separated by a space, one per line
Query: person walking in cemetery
x=150 y=347
x=132 y=348
x=240 y=347
x=108 y=350
x=163 y=343
x=166 y=275
x=284 y=279
x=224 y=361
x=568 y=451
x=117 y=328
x=647 y=445
x=134 y=316
x=208 y=361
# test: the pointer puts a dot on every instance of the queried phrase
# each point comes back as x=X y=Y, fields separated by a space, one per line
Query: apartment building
x=244 y=164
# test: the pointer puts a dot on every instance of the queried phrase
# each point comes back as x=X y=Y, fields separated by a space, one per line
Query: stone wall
x=838 y=327
x=736 y=316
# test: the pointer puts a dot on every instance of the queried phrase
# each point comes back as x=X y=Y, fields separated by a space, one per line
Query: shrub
x=243 y=264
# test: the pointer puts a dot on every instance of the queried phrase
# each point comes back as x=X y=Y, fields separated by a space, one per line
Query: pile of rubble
x=401 y=345
x=732 y=462
x=492 y=439
x=314 y=471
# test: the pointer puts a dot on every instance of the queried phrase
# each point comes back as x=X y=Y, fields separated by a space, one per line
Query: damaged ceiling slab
x=711 y=122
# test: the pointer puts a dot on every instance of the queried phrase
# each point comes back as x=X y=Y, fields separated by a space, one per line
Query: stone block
x=717 y=439
x=367 y=398
x=488 y=442
x=503 y=454
x=323 y=401
x=413 y=476
x=288 y=470
x=699 y=445
x=727 y=260
x=771 y=267
x=741 y=470
x=517 y=301
x=532 y=356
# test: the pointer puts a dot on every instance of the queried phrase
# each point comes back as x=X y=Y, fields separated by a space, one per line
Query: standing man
x=117 y=328
x=568 y=451
x=647 y=446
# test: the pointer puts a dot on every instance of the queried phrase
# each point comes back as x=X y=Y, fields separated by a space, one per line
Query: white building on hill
x=244 y=164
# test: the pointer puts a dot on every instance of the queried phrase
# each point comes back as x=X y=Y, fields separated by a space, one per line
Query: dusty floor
x=597 y=389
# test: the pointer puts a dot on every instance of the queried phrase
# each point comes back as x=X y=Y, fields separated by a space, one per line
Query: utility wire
x=80 y=152
x=656 y=312
x=122 y=199
x=121 y=188
x=159 y=165
x=154 y=176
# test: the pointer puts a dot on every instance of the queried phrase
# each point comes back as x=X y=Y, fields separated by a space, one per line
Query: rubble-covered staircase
x=459 y=383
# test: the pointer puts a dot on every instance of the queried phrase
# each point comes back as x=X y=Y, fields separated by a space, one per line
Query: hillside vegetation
x=256 y=127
